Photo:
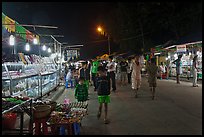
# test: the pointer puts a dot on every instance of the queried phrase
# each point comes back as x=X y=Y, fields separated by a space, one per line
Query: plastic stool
x=62 y=130
x=38 y=123
x=76 y=128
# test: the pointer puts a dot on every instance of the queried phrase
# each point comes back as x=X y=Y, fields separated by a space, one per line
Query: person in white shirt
x=129 y=71
x=111 y=67
x=195 y=70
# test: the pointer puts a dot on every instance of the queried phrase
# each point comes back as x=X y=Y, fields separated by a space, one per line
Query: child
x=103 y=90
x=69 y=79
x=81 y=91
x=152 y=78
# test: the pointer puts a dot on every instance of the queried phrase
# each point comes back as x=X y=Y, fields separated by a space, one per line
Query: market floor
x=176 y=110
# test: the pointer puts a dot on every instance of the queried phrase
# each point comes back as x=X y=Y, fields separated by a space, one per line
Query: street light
x=99 y=29
x=102 y=32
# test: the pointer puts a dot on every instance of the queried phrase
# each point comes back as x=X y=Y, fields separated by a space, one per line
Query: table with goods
x=61 y=119
x=67 y=116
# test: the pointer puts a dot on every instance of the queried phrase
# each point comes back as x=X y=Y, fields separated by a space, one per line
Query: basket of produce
x=41 y=111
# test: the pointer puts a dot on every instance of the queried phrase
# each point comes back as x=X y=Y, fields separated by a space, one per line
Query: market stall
x=188 y=50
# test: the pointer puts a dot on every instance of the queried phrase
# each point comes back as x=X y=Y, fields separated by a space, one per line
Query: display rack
x=20 y=109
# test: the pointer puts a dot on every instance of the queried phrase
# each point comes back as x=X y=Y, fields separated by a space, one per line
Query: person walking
x=103 y=91
x=195 y=70
x=84 y=72
x=129 y=71
x=136 y=74
x=123 y=78
x=94 y=70
x=118 y=72
x=178 y=63
x=152 y=71
x=111 y=66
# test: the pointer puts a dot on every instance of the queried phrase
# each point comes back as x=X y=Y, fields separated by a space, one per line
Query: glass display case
x=32 y=80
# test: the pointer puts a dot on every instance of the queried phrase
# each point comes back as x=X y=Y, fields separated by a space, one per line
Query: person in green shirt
x=81 y=91
x=94 y=70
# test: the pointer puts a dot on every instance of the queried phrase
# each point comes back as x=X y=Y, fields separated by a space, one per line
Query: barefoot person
x=103 y=90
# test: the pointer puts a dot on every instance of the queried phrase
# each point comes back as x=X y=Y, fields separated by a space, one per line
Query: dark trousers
x=94 y=79
x=111 y=75
x=129 y=77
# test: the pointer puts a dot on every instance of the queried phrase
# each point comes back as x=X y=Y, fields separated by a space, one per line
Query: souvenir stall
x=25 y=76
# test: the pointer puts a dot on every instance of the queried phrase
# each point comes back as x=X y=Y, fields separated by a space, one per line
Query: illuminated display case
x=32 y=80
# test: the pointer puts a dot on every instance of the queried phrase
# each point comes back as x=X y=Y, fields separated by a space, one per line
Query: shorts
x=104 y=99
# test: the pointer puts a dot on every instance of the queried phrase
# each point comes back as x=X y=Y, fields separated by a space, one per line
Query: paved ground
x=176 y=110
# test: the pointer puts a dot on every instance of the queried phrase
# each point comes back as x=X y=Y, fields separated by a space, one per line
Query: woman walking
x=136 y=74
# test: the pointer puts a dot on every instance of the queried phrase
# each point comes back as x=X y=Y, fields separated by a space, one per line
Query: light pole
x=102 y=32
x=108 y=45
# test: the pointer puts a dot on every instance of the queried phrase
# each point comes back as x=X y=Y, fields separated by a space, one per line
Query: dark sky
x=76 y=21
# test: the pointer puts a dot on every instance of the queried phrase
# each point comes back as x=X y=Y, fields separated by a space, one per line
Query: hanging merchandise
x=21 y=31
x=29 y=36
x=9 y=24
x=22 y=58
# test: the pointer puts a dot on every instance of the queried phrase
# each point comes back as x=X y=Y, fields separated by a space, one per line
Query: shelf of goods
x=31 y=79
x=13 y=107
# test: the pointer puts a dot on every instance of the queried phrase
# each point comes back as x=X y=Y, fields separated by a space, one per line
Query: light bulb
x=27 y=47
x=49 y=50
x=11 y=40
x=44 y=47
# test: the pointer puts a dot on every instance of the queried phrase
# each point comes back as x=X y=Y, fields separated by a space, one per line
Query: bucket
x=9 y=120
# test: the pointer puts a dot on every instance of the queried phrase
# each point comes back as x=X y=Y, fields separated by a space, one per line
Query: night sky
x=76 y=21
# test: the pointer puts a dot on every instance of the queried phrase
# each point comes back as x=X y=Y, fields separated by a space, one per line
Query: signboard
x=71 y=54
x=181 y=48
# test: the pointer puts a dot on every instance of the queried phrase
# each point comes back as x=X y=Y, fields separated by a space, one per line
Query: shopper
x=69 y=79
x=81 y=91
x=129 y=71
x=103 y=90
x=167 y=69
x=94 y=69
x=152 y=70
x=178 y=63
x=111 y=66
x=84 y=72
x=123 y=78
x=162 y=70
x=118 y=72
x=136 y=74
x=195 y=70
